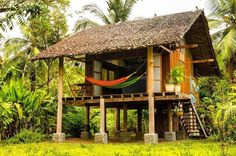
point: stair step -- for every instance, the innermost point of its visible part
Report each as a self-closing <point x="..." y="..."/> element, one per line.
<point x="193" y="131"/>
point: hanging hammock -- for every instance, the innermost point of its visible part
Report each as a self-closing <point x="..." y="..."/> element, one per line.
<point x="127" y="83"/>
<point x="110" y="83"/>
<point x="103" y="83"/>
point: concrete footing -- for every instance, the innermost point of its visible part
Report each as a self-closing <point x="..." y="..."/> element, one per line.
<point x="151" y="138"/>
<point x="86" y="135"/>
<point x="170" y="136"/>
<point x="101" y="138"/>
<point x="58" y="137"/>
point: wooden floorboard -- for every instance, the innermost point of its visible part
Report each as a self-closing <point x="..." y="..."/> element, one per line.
<point x="124" y="98"/>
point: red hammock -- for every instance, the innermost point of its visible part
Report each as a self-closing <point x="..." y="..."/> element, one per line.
<point x="107" y="83"/>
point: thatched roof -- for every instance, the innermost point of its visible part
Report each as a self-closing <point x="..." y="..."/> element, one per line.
<point x="160" y="30"/>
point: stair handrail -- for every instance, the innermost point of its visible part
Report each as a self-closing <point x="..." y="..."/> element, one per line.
<point x="198" y="119"/>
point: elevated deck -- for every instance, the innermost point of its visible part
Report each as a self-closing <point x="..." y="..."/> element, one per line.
<point x="116" y="100"/>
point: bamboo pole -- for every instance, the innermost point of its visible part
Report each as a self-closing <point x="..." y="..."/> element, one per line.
<point x="60" y="95"/>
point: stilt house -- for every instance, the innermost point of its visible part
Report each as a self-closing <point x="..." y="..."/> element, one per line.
<point x="126" y="65"/>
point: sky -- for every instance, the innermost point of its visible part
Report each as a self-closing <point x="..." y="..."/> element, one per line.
<point x="144" y="8"/>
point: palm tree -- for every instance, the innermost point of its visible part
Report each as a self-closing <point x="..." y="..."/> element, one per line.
<point x="38" y="33"/>
<point x="222" y="20"/>
<point x="117" y="11"/>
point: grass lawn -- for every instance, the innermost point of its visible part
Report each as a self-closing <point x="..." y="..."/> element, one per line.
<point x="181" y="148"/>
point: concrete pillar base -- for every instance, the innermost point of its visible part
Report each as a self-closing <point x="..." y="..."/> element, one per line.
<point x="151" y="138"/>
<point x="101" y="138"/>
<point x="170" y="136"/>
<point x="139" y="135"/>
<point x="58" y="137"/>
<point x="126" y="136"/>
<point x="86" y="135"/>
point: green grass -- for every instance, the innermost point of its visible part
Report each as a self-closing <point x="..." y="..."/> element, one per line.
<point x="181" y="148"/>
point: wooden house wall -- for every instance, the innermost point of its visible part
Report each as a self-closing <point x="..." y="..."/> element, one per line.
<point x="89" y="72"/>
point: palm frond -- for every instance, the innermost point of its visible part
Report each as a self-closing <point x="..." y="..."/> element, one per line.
<point x="231" y="111"/>
<point x="94" y="9"/>
<point x="84" y="23"/>
<point x="216" y="23"/>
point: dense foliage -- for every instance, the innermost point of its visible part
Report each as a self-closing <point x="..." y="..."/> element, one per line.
<point x="26" y="136"/>
<point x="28" y="90"/>
<point x="222" y="21"/>
<point x="22" y="109"/>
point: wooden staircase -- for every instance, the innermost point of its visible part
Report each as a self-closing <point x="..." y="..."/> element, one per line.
<point x="191" y="122"/>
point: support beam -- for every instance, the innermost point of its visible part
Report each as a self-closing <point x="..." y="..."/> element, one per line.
<point x="139" y="120"/>
<point x="170" y="121"/>
<point x="125" y="118"/>
<point x="87" y="134"/>
<point x="188" y="46"/>
<point x="59" y="136"/>
<point x="170" y="135"/>
<point x="105" y="119"/>
<point x="87" y="114"/>
<point x="150" y="89"/>
<point x="151" y="111"/>
<point x="117" y="119"/>
<point x="71" y="58"/>
<point x="203" y="61"/>
<point x="166" y="49"/>
<point x="139" y="133"/>
<point x="102" y="116"/>
<point x="102" y="137"/>
<point x="151" y="137"/>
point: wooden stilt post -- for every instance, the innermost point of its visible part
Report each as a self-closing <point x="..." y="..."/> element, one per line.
<point x="102" y="116"/>
<point x="151" y="137"/>
<point x="105" y="119"/>
<point x="170" y="121"/>
<point x="170" y="135"/>
<point x="139" y="120"/>
<point x="102" y="136"/>
<point x="150" y="89"/>
<point x="87" y="114"/>
<point x="59" y="136"/>
<point x="151" y="115"/>
<point x="87" y="134"/>
<point x="117" y="119"/>
<point x="125" y="118"/>
<point x="60" y="95"/>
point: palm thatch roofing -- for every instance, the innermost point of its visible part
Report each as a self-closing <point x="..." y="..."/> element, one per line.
<point x="160" y="30"/>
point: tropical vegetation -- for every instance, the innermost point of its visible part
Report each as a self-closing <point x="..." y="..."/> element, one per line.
<point x="117" y="11"/>
<point x="28" y="90"/>
<point x="222" y="21"/>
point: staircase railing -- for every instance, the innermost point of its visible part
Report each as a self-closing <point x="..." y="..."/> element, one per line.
<point x="198" y="119"/>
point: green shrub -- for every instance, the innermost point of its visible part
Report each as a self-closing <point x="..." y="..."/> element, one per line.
<point x="26" y="136"/>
